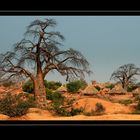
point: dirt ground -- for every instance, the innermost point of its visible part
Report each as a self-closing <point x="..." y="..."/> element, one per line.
<point x="113" y="111"/>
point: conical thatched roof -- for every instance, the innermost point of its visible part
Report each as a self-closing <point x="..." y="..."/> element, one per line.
<point x="62" y="89"/>
<point x="90" y="89"/>
<point x="118" y="89"/>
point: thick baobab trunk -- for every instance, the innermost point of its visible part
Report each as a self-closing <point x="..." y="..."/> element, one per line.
<point x="40" y="91"/>
<point x="125" y="85"/>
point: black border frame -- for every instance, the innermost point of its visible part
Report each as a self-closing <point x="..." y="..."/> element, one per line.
<point x="70" y="13"/>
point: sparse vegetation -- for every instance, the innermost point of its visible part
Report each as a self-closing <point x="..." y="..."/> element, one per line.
<point x="125" y="102"/>
<point x="52" y="85"/>
<point x="138" y="106"/>
<point x="98" y="88"/>
<point x="28" y="87"/>
<point x="131" y="88"/>
<point x="76" y="85"/>
<point x="8" y="83"/>
<point x="99" y="110"/>
<point x="16" y="105"/>
<point x="55" y="96"/>
<point x="111" y="86"/>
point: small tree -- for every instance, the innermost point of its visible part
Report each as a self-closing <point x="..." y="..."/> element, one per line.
<point x="36" y="57"/>
<point x="125" y="74"/>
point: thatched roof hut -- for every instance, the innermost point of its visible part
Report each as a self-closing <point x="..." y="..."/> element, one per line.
<point x="117" y="90"/>
<point x="90" y="90"/>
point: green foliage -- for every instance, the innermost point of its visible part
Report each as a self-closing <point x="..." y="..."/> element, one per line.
<point x="49" y="94"/>
<point x="52" y="84"/>
<point x="70" y="101"/>
<point x="28" y="87"/>
<point x="55" y="96"/>
<point x="99" y="110"/>
<point x="91" y="113"/>
<point x="15" y="105"/>
<point x="126" y="102"/>
<point x="131" y="88"/>
<point x="58" y="104"/>
<point x="76" y="111"/>
<point x="76" y="85"/>
<point x="111" y="86"/>
<point x="64" y="112"/>
<point x="98" y="88"/>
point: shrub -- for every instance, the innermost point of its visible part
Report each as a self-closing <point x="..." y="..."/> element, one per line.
<point x="98" y="88"/>
<point x="15" y="105"/>
<point x="70" y="101"/>
<point x="125" y="102"/>
<point x="75" y="85"/>
<point x="138" y="106"/>
<point x="99" y="108"/>
<point x="28" y="87"/>
<point x="91" y="113"/>
<point x="136" y="97"/>
<point x="131" y="88"/>
<point x="111" y="86"/>
<point x="52" y="84"/>
<point x="55" y="96"/>
<point x="49" y="94"/>
<point x="8" y="83"/>
<point x="56" y="107"/>
<point x="76" y="111"/>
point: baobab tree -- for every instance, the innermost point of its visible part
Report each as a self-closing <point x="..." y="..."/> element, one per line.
<point x="125" y="74"/>
<point x="38" y="54"/>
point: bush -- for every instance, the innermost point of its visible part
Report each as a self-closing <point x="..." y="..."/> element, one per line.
<point x="8" y="83"/>
<point x="52" y="84"/>
<point x="138" y="106"/>
<point x="64" y="112"/>
<point x="15" y="105"/>
<point x="99" y="108"/>
<point x="125" y="102"/>
<point x="131" y="88"/>
<point x="98" y="88"/>
<point x="76" y="85"/>
<point x="55" y="96"/>
<point x="49" y="94"/>
<point x="111" y="86"/>
<point x="92" y="113"/>
<point x="76" y="111"/>
<point x="28" y="87"/>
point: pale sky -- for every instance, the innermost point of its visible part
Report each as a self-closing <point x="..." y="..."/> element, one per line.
<point x="106" y="41"/>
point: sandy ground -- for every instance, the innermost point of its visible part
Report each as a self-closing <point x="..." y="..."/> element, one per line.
<point x="33" y="116"/>
<point x="113" y="111"/>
